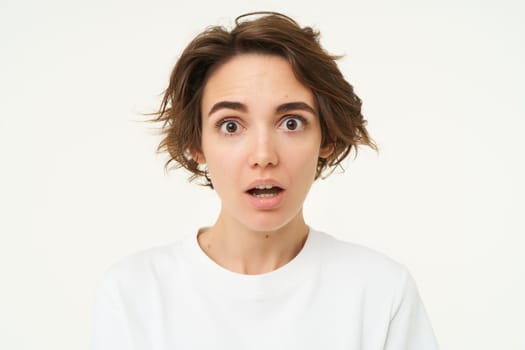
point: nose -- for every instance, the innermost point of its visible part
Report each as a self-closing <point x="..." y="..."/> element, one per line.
<point x="263" y="151"/>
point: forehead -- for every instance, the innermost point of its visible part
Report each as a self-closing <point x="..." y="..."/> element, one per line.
<point x="255" y="78"/>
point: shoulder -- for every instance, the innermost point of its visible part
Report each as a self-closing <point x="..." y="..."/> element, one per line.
<point x="141" y="268"/>
<point x="361" y="266"/>
<point x="340" y="252"/>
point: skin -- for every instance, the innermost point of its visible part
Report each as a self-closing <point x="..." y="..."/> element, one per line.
<point x="258" y="123"/>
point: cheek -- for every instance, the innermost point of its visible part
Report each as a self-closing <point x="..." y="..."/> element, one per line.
<point x="302" y="159"/>
<point x="224" y="163"/>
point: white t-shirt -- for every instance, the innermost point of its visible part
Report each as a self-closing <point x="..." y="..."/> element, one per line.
<point x="332" y="295"/>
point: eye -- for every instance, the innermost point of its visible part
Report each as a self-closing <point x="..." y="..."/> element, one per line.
<point x="229" y="127"/>
<point x="293" y="123"/>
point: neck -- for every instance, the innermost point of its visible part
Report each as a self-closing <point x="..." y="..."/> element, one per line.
<point x="240" y="249"/>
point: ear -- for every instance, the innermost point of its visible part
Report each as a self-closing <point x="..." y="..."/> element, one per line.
<point x="198" y="156"/>
<point x="326" y="151"/>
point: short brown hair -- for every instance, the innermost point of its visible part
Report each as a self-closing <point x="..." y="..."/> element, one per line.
<point x="342" y="123"/>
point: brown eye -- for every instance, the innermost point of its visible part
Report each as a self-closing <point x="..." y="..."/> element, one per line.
<point x="293" y="123"/>
<point x="230" y="127"/>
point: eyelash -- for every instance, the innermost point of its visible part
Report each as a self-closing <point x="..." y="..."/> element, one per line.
<point x="223" y="122"/>
<point x="302" y="121"/>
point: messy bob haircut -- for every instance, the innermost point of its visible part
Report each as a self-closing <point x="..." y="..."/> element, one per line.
<point x="270" y="33"/>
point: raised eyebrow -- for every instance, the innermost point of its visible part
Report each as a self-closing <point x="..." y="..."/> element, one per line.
<point x="227" y="105"/>
<point x="290" y="106"/>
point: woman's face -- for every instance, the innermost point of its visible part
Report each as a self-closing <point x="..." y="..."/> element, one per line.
<point x="261" y="140"/>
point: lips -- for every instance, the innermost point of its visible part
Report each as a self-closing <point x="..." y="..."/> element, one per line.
<point x="265" y="191"/>
<point x="265" y="194"/>
<point x="264" y="188"/>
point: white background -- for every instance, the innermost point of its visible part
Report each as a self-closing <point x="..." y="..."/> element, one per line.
<point x="81" y="185"/>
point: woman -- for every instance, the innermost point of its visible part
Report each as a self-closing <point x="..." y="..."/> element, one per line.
<point x="260" y="112"/>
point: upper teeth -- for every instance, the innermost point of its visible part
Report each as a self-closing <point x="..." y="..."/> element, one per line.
<point x="264" y="187"/>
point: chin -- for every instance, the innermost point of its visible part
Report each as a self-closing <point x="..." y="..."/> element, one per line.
<point x="268" y="222"/>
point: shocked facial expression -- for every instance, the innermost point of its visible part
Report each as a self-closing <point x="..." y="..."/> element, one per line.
<point x="261" y="140"/>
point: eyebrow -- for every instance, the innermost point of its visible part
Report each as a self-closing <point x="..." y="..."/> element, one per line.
<point x="285" y="107"/>
<point x="291" y="106"/>
<point x="228" y="105"/>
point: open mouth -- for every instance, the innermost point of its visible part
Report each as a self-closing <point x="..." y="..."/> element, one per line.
<point x="265" y="191"/>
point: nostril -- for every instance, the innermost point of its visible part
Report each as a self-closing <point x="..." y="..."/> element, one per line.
<point x="264" y="158"/>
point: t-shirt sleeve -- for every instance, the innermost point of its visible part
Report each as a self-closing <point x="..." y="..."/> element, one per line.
<point x="409" y="328"/>
<point x="111" y="329"/>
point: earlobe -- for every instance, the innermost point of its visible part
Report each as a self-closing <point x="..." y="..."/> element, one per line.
<point x="198" y="156"/>
<point x="326" y="151"/>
